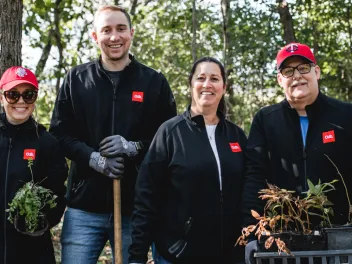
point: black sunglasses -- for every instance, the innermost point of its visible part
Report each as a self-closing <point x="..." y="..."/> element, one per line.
<point x="29" y="97"/>
<point x="302" y="69"/>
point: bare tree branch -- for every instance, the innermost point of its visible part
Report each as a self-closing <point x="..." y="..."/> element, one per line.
<point x="58" y="43"/>
<point x="133" y="7"/>
<point x="45" y="55"/>
<point x="194" y="31"/>
<point x="225" y="8"/>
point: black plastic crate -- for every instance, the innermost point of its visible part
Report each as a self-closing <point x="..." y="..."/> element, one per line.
<point x="305" y="257"/>
<point x="295" y="242"/>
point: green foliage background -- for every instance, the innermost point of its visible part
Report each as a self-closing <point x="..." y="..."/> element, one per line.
<point x="163" y="40"/>
<point x="56" y="36"/>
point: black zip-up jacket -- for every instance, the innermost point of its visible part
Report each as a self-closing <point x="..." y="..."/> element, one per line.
<point x="179" y="181"/>
<point x="276" y="152"/>
<point x="89" y="108"/>
<point x="49" y="167"/>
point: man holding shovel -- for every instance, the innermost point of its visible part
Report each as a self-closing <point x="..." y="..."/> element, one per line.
<point x="105" y="116"/>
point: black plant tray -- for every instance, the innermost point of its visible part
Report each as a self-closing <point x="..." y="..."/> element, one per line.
<point x="295" y="242"/>
<point x="20" y="226"/>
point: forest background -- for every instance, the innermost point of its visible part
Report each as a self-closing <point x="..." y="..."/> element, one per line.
<point x="171" y="34"/>
<point x="51" y="36"/>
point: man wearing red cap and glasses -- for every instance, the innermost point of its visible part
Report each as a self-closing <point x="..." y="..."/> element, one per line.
<point x="21" y="138"/>
<point x="289" y="141"/>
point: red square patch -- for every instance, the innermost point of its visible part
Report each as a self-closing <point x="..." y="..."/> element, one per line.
<point x="29" y="154"/>
<point x="137" y="96"/>
<point x="235" y="147"/>
<point x="329" y="136"/>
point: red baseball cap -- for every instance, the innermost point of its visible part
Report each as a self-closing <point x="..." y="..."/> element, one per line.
<point x="17" y="75"/>
<point x="294" y="49"/>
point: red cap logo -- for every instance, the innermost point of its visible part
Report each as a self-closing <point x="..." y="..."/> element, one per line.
<point x="235" y="147"/>
<point x="15" y="76"/>
<point x="29" y="154"/>
<point x="329" y="136"/>
<point x="137" y="96"/>
<point x="294" y="49"/>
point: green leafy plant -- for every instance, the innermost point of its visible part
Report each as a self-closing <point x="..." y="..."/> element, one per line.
<point x="29" y="202"/>
<point x="287" y="211"/>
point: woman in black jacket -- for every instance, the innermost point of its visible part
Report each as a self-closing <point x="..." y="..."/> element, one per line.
<point x="189" y="186"/>
<point x="23" y="139"/>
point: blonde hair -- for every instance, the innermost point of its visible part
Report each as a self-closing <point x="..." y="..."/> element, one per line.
<point x="111" y="8"/>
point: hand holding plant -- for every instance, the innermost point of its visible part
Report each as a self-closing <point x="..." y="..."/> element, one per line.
<point x="30" y="202"/>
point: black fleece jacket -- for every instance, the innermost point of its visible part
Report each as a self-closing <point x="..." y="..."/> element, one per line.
<point x="179" y="180"/>
<point x="276" y="152"/>
<point x="49" y="168"/>
<point x="89" y="107"/>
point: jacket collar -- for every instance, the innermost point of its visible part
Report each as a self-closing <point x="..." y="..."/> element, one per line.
<point x="312" y="109"/>
<point x="198" y="120"/>
<point x="2" y="123"/>
<point x="101" y="69"/>
<point x="30" y="124"/>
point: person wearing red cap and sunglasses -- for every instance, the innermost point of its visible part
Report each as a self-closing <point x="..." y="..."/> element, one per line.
<point x="22" y="137"/>
<point x="289" y="142"/>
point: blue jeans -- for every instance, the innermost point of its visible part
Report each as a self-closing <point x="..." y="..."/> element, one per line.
<point x="85" y="234"/>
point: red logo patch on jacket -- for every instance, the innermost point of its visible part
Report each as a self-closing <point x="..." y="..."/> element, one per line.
<point x="29" y="154"/>
<point x="329" y="136"/>
<point x="235" y="147"/>
<point x="137" y="96"/>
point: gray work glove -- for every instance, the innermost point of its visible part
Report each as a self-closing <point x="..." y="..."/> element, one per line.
<point x="117" y="145"/>
<point x="111" y="167"/>
<point x="250" y="249"/>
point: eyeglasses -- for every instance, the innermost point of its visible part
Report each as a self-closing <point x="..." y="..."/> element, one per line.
<point x="29" y="97"/>
<point x="302" y="69"/>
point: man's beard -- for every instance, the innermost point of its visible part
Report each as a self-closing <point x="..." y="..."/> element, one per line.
<point x="119" y="58"/>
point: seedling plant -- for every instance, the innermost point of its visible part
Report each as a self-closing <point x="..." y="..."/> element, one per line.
<point x="286" y="211"/>
<point x="30" y="201"/>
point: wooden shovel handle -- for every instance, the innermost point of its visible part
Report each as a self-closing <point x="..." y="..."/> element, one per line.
<point x="117" y="222"/>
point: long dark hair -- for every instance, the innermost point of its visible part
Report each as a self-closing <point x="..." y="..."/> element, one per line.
<point x="222" y="104"/>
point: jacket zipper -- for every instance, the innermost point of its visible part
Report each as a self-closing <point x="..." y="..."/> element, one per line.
<point x="113" y="117"/>
<point x="221" y="198"/>
<point x="221" y="222"/>
<point x="304" y="154"/>
<point x="305" y="168"/>
<point x="113" y="110"/>
<point x="114" y="87"/>
<point x="305" y="157"/>
<point x="6" y="175"/>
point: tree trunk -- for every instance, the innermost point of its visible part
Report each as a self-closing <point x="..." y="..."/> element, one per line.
<point x="54" y="36"/>
<point x="349" y="70"/>
<point x="226" y="11"/>
<point x="10" y="33"/>
<point x="287" y="22"/>
<point x="58" y="43"/>
<point x="194" y="31"/>
<point x="45" y="55"/>
<point x="348" y="19"/>
<point x="133" y="7"/>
